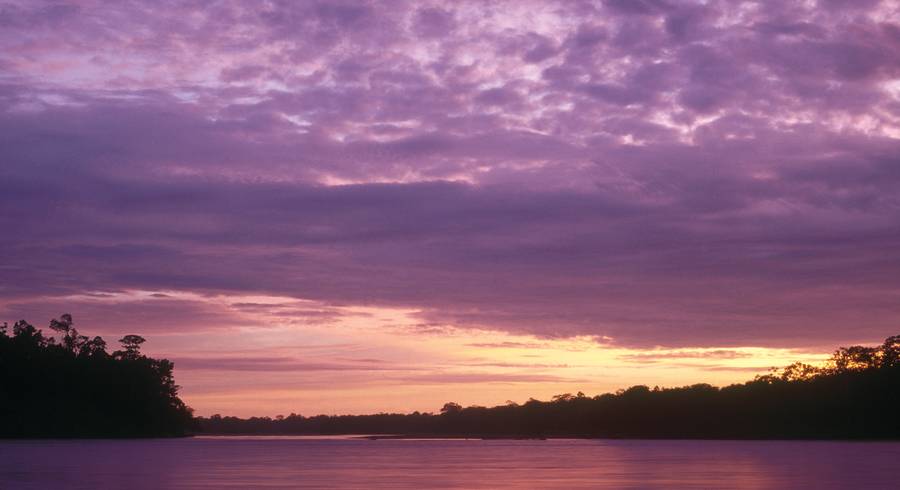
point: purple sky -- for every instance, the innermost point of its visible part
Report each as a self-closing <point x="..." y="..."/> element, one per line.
<point x="647" y="174"/>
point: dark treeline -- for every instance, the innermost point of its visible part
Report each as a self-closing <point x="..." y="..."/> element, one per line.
<point x="71" y="386"/>
<point x="856" y="395"/>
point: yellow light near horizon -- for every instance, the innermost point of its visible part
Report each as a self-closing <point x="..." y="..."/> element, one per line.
<point x="271" y="359"/>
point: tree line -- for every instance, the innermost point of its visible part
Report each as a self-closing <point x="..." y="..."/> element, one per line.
<point x="70" y="386"/>
<point x="855" y="395"/>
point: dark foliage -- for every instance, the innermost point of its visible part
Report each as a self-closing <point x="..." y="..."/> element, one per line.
<point x="71" y="387"/>
<point x="855" y="396"/>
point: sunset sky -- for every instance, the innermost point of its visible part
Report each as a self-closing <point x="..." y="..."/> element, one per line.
<point x="353" y="207"/>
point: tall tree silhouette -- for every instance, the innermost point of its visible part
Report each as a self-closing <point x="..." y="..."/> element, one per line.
<point x="132" y="345"/>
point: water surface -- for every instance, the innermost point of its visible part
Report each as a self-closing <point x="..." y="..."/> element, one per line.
<point x="300" y="462"/>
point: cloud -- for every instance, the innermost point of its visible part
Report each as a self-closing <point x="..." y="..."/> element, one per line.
<point x="508" y="345"/>
<point x="116" y="316"/>
<point x="652" y="356"/>
<point x="663" y="174"/>
<point x="470" y="378"/>
<point x="275" y="364"/>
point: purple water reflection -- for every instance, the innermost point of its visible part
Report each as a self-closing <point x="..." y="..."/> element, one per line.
<point x="351" y="463"/>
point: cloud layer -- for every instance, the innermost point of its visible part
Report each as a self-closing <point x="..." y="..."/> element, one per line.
<point x="654" y="173"/>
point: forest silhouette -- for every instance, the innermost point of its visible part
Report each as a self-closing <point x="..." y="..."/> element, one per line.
<point x="71" y="386"/>
<point x="855" y="395"/>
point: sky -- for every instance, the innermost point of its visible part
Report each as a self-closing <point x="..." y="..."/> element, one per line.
<point x="353" y="207"/>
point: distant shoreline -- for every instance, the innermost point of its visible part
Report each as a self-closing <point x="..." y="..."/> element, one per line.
<point x="489" y="437"/>
<point x="414" y="437"/>
<point x="852" y="397"/>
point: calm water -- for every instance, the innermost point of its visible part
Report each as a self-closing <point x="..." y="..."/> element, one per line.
<point x="238" y="462"/>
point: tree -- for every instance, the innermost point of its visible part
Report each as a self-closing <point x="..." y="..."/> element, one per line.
<point x="799" y="371"/>
<point x="855" y="358"/>
<point x="25" y="333"/>
<point x="63" y="326"/>
<point x="451" y="408"/>
<point x="890" y="352"/>
<point x="93" y="347"/>
<point x="565" y="397"/>
<point x="132" y="345"/>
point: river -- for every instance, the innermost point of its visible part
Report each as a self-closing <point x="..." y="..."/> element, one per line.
<point x="350" y="463"/>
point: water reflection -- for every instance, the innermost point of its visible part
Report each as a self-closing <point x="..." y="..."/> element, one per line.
<point x="301" y="462"/>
